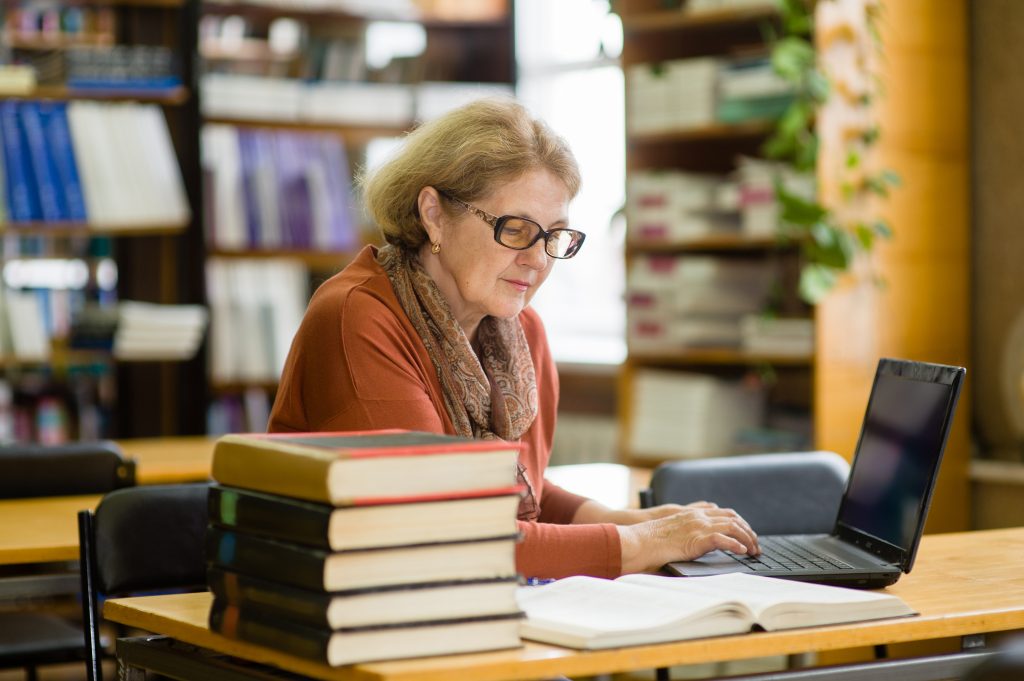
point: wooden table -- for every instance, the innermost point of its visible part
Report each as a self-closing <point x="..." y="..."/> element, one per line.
<point x="963" y="584"/>
<point x="165" y="460"/>
<point x="41" y="530"/>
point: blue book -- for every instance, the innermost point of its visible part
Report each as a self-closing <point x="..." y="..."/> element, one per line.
<point x="23" y="205"/>
<point x="51" y="198"/>
<point x="58" y="134"/>
<point x="248" y="155"/>
<point x="344" y="231"/>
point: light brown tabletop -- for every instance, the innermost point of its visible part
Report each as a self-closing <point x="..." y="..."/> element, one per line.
<point x="165" y="460"/>
<point x="963" y="583"/>
<point x="41" y="530"/>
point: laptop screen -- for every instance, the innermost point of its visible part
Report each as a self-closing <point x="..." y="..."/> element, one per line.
<point x="901" y="445"/>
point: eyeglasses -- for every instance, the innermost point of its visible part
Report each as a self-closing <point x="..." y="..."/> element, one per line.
<point x="521" y="233"/>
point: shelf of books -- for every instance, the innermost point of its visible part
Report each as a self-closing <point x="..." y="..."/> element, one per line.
<point x="720" y="348"/>
<point x="96" y="129"/>
<point x="293" y="96"/>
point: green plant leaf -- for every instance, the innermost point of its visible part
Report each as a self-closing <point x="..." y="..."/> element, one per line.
<point x="871" y="135"/>
<point x="796" y="19"/>
<point x="815" y="282"/>
<point x="798" y="210"/>
<point x="778" y="146"/>
<point x="882" y="229"/>
<point x="891" y="178"/>
<point x="818" y="86"/>
<point x="805" y="156"/>
<point x="792" y="57"/>
<point x="865" y="235"/>
<point x="830" y="246"/>
<point x="876" y="185"/>
<point x="852" y="158"/>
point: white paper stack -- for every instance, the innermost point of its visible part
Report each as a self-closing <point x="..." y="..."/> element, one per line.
<point x="672" y="95"/>
<point x="694" y="301"/>
<point x="685" y="415"/>
<point x="128" y="167"/>
<point x="251" y="97"/>
<point x="256" y="306"/>
<point x="152" y="332"/>
<point x="778" y="336"/>
<point x="673" y="206"/>
<point x="759" y="209"/>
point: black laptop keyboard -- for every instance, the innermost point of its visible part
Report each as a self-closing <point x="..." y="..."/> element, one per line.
<point x="783" y="553"/>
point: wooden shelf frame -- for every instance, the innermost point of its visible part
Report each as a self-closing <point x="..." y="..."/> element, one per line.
<point x="711" y="132"/>
<point x="679" y="20"/>
<point x="711" y="243"/>
<point x="717" y="357"/>
<point x="353" y="133"/>
<point x="80" y="229"/>
<point x="318" y="261"/>
<point x="170" y="97"/>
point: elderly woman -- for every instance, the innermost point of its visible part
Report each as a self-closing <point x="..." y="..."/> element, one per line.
<point x="433" y="332"/>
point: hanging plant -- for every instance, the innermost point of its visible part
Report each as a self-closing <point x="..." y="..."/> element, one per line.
<point x="829" y="242"/>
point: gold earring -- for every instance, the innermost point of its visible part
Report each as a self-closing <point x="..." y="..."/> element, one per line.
<point x="435" y="247"/>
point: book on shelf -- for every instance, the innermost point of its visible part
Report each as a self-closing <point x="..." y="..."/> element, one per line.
<point x="591" y="613"/>
<point x="150" y="331"/>
<point x="130" y="176"/>
<point x="311" y="568"/>
<point x="690" y="415"/>
<point x="256" y="306"/>
<point x="354" y="467"/>
<point x="479" y="514"/>
<point x="366" y="644"/>
<point x="22" y="199"/>
<point x="371" y="606"/>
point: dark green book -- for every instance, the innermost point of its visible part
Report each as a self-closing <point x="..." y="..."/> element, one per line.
<point x="312" y="568"/>
<point x="366" y="607"/>
<point x="468" y="516"/>
<point x="365" y="644"/>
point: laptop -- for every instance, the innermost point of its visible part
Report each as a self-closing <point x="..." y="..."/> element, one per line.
<point x="883" y="509"/>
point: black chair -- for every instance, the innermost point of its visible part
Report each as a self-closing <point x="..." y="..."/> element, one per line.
<point x="789" y="493"/>
<point x="142" y="539"/>
<point x="32" y="470"/>
<point x="29" y="638"/>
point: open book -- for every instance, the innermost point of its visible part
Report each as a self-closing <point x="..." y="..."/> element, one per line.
<point x="587" y="612"/>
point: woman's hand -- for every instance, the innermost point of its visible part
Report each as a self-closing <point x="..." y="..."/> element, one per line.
<point x="683" y="533"/>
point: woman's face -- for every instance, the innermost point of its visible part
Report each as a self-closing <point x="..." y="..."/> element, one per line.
<point x="477" y="275"/>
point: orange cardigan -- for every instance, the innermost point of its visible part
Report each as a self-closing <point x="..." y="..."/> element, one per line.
<point x="357" y="363"/>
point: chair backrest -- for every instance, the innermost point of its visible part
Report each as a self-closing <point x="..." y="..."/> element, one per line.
<point x="789" y="493"/>
<point x="32" y="470"/>
<point x="146" y="538"/>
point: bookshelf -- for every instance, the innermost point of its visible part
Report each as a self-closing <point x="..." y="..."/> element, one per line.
<point x="122" y="248"/>
<point x="700" y="270"/>
<point x="325" y="88"/>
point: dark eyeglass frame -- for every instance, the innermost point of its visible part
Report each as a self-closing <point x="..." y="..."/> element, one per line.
<point x="498" y="222"/>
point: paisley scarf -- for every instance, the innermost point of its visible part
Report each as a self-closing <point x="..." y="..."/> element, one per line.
<point x="487" y="397"/>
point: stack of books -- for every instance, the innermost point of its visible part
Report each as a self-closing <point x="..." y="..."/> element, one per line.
<point x="354" y="547"/>
<point x="686" y="302"/>
<point x="681" y="415"/>
<point x="154" y="332"/>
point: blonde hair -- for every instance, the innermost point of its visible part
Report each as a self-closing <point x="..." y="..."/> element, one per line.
<point x="466" y="153"/>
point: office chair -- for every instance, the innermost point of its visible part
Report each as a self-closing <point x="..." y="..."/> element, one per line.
<point x="140" y="539"/>
<point x="32" y="470"/>
<point x="787" y="493"/>
<point x="27" y="638"/>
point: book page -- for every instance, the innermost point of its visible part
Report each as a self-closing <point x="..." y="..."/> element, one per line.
<point x="589" y="612"/>
<point x="782" y="603"/>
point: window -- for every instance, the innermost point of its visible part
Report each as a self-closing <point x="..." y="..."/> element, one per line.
<point x="569" y="75"/>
